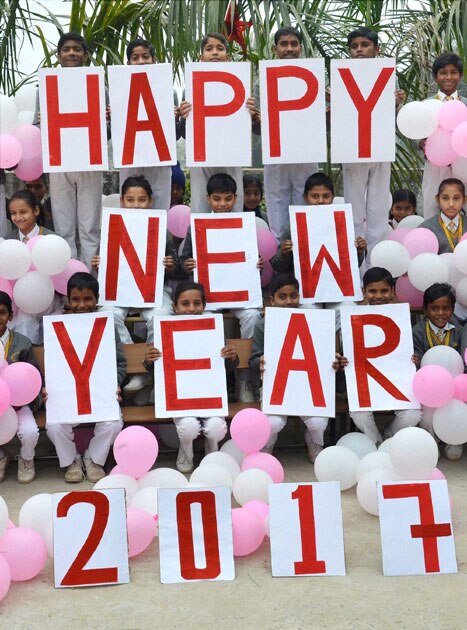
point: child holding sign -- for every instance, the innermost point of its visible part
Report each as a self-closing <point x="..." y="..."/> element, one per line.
<point x="190" y="299"/>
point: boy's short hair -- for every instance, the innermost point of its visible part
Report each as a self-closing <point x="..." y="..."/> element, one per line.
<point x="280" y="280"/>
<point x="287" y="30"/>
<point x="82" y="280"/>
<point x="140" y="42"/>
<point x="377" y="274"/>
<point x="363" y="31"/>
<point x="318" y="179"/>
<point x="221" y="183"/>
<point x="253" y="180"/>
<point x="189" y="285"/>
<point x="5" y="300"/>
<point x="75" y="37"/>
<point x="439" y="290"/>
<point x="452" y="181"/>
<point x="30" y="198"/>
<point x="136" y="181"/>
<point x="403" y="194"/>
<point x="446" y="59"/>
<point x="217" y="36"/>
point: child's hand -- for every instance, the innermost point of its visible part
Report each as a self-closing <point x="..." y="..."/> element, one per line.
<point x="119" y="395"/>
<point x="421" y="144"/>
<point x="260" y="264"/>
<point x="415" y="360"/>
<point x="262" y="366"/>
<point x="340" y="362"/>
<point x="254" y="113"/>
<point x="152" y="354"/>
<point x="95" y="262"/>
<point x="286" y="248"/>
<point x="400" y="97"/>
<point x="169" y="263"/>
<point x="108" y="113"/>
<point x="44" y="396"/>
<point x="185" y="109"/>
<point x="177" y="111"/>
<point x="229" y="353"/>
<point x="360" y="244"/>
<point x="189" y="264"/>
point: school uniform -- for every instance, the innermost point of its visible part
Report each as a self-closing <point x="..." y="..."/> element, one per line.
<point x="447" y="231"/>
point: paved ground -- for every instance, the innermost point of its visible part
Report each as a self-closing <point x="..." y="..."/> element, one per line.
<point x="363" y="599"/>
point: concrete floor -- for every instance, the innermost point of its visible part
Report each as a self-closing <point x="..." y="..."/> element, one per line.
<point x="363" y="599"/>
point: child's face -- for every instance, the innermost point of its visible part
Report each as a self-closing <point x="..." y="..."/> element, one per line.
<point x="37" y="187"/>
<point x="82" y="301"/>
<point x="176" y="194"/>
<point x="286" y="297"/>
<point x="135" y="197"/>
<point x="251" y="196"/>
<point x="448" y="79"/>
<point x="140" y="56"/>
<point x="72" y="54"/>
<point x="363" y="48"/>
<point x="451" y="201"/>
<point x="378" y="293"/>
<point x="222" y="202"/>
<point x="440" y="311"/>
<point x="318" y="196"/>
<point x="189" y="303"/>
<point x="288" y="47"/>
<point x="214" y="51"/>
<point x="23" y="215"/>
<point x="402" y="209"/>
<point x="5" y="317"/>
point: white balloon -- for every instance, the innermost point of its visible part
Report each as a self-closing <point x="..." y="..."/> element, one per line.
<point x="460" y="256"/>
<point x="25" y="97"/>
<point x="461" y="291"/>
<point x="252" y="484"/>
<point x="459" y="169"/>
<point x="337" y="463"/>
<point x="126" y="482"/>
<point x="450" y="422"/>
<point x="15" y="259"/>
<point x="391" y="256"/>
<point x="261" y="224"/>
<point x="414" y="453"/>
<point x="367" y="489"/>
<point x="378" y="459"/>
<point x="225" y="460"/>
<point x="146" y="499"/>
<point x="446" y="357"/>
<point x="37" y="513"/>
<point x="34" y="292"/>
<point x="8" y="425"/>
<point x="25" y="118"/>
<point x="193" y="485"/>
<point x="49" y="539"/>
<point x="426" y="269"/>
<point x="417" y="120"/>
<point x="412" y="221"/>
<point x="162" y="478"/>
<point x="359" y="443"/>
<point x="3" y="516"/>
<point x="384" y="446"/>
<point x="455" y="276"/>
<point x="111" y="201"/>
<point x="8" y="114"/>
<point x="232" y="449"/>
<point x="51" y="254"/>
<point x="212" y="475"/>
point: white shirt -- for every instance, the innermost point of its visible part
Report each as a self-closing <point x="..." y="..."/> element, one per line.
<point x="3" y="342"/>
<point x="447" y="221"/>
<point x="34" y="232"/>
<point x="441" y="96"/>
<point x="444" y="330"/>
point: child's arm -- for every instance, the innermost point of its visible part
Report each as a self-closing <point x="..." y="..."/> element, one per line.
<point x="152" y="354"/>
<point x="361" y="245"/>
<point x="260" y="264"/>
<point x="170" y="261"/>
<point x="229" y="354"/>
<point x="95" y="262"/>
<point x="340" y="362"/>
<point x="255" y="115"/>
<point x="257" y="350"/>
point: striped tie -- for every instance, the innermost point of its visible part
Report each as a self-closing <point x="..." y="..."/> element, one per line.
<point x="440" y="334"/>
<point x="452" y="227"/>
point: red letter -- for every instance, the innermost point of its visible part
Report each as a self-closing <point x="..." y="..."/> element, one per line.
<point x="58" y="121"/>
<point x="276" y="106"/>
<point x="188" y="569"/>
<point x="306" y="514"/>
<point x="81" y="371"/>
<point x="172" y="365"/>
<point x="298" y="329"/>
<point x="201" y="111"/>
<point x="311" y="272"/>
<point x="363" y="367"/>
<point x="428" y="530"/>
<point x="140" y="89"/>
<point x="365" y="107"/>
<point x="120" y="239"/>
<point x="204" y="258"/>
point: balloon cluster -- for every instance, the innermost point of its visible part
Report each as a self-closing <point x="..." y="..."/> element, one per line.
<point x="20" y="140"/>
<point x="444" y="125"/>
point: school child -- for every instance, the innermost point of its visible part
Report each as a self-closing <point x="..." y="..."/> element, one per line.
<point x="178" y="183"/>
<point x="438" y="328"/>
<point x="190" y="299"/>
<point x="404" y="204"/>
<point x="448" y="71"/>
<point x="367" y="185"/>
<point x="450" y="224"/>
<point x="16" y="347"/>
<point x="83" y="296"/>
<point x="221" y="197"/>
<point x="252" y="196"/>
<point x="40" y="189"/>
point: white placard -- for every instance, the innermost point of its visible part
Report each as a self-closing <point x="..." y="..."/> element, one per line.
<point x="325" y="256"/>
<point x="377" y="340"/>
<point x="293" y="111"/>
<point x="195" y="535"/>
<point x="73" y="125"/>
<point x="131" y="269"/>
<point x="90" y="538"/>
<point x="226" y="252"/>
<point x="80" y="368"/>
<point x="218" y="128"/>
<point x="190" y="376"/>
<point x="299" y="378"/>
<point x="363" y="110"/>
<point x="306" y="532"/>
<point x="416" y="528"/>
<point x="142" y="106"/>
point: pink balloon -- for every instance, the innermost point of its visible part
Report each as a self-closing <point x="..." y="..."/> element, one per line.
<point x="433" y="386"/>
<point x="24" y="381"/>
<point x="406" y="292"/>
<point x="250" y="430"/>
<point x="142" y="528"/>
<point x="399" y="234"/>
<point x="5" y="397"/>
<point x="260" y="508"/>
<point x="116" y="470"/>
<point x="459" y="140"/>
<point x="178" y="220"/>
<point x="463" y="237"/>
<point x="6" y="287"/>
<point x="135" y="451"/>
<point x="266" y="274"/>
<point x="436" y="474"/>
<point x="60" y="281"/>
<point x="5" y="577"/>
<point x="248" y="531"/>
<point x="25" y="551"/>
<point x="267" y="244"/>
<point x="266" y="462"/>
<point x="451" y="114"/>
<point x="32" y="241"/>
<point x="8" y="425"/>
<point x="438" y="148"/>
<point x="30" y="169"/>
<point x="29" y="137"/>
<point x="421" y="241"/>
<point x="10" y="150"/>
<point x="460" y="387"/>
<point x="10" y="524"/>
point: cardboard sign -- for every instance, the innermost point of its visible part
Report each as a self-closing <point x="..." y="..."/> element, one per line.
<point x="190" y="376"/>
<point x="298" y="352"/>
<point x="218" y="128"/>
<point x="363" y="112"/>
<point x="293" y="111"/>
<point x="377" y="341"/>
<point x="131" y="270"/>
<point x="416" y="528"/>
<point x="80" y="368"/>
<point x="226" y="252"/>
<point x="73" y="126"/>
<point x="325" y="256"/>
<point x="143" y="126"/>
<point x="195" y="535"/>
<point x="90" y="538"/>
<point x="306" y="531"/>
